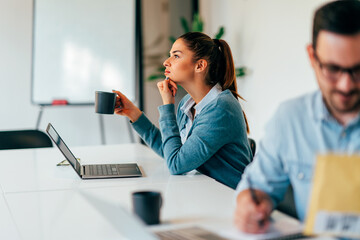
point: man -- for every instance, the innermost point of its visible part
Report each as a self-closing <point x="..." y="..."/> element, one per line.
<point x="324" y="121"/>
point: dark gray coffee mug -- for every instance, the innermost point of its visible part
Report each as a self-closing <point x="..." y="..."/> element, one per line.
<point x="147" y="205"/>
<point x="105" y="102"/>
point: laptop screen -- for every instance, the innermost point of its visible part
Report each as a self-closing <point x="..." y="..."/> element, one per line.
<point x="63" y="148"/>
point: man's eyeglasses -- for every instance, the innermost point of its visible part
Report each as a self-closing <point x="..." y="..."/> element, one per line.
<point x="334" y="72"/>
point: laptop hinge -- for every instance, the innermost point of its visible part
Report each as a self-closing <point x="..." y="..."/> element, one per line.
<point x="82" y="170"/>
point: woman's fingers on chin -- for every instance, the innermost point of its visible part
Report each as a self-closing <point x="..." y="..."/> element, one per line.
<point x="173" y="84"/>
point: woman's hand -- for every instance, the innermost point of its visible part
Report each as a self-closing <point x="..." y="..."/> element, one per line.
<point x="167" y="89"/>
<point x="124" y="107"/>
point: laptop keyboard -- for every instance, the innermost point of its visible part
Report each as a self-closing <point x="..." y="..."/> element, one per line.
<point x="191" y="233"/>
<point x="103" y="170"/>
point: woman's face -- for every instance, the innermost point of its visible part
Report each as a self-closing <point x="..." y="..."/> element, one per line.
<point x="180" y="66"/>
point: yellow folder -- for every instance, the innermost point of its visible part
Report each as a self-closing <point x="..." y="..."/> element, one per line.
<point x="334" y="207"/>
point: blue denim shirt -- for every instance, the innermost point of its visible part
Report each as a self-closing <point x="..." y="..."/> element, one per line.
<point x="216" y="144"/>
<point x="300" y="129"/>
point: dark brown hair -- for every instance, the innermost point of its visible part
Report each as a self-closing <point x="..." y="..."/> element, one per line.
<point x="342" y="17"/>
<point x="218" y="55"/>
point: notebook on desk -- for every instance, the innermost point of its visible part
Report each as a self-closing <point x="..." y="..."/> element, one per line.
<point x="282" y="227"/>
<point x="199" y="233"/>
<point x="94" y="171"/>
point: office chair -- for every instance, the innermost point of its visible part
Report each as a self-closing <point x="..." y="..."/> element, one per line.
<point x="20" y="139"/>
<point x="287" y="205"/>
<point x="252" y="144"/>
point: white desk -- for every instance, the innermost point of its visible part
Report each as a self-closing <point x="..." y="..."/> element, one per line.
<point x="36" y="170"/>
<point x="7" y="226"/>
<point x="93" y="213"/>
<point x="43" y="201"/>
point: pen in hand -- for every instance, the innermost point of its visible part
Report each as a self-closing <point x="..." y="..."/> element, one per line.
<point x="255" y="200"/>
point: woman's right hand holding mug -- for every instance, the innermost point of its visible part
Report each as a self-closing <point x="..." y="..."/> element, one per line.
<point x="124" y="107"/>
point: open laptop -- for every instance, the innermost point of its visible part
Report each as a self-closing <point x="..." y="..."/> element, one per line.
<point x="93" y="171"/>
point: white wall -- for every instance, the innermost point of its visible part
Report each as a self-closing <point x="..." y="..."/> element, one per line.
<point x="269" y="37"/>
<point x="77" y="125"/>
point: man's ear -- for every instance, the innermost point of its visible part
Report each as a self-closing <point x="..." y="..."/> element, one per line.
<point x="201" y="65"/>
<point x="311" y="54"/>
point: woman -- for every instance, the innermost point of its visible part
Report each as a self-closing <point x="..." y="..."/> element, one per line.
<point x="209" y="131"/>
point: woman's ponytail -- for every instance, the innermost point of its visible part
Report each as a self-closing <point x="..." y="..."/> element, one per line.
<point x="221" y="67"/>
<point x="229" y="76"/>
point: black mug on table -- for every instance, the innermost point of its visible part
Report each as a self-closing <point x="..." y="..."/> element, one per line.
<point x="147" y="205"/>
<point x="105" y="102"/>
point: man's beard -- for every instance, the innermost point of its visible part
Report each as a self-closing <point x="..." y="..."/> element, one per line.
<point x="348" y="108"/>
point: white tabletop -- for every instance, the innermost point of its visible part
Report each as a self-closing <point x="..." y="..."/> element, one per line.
<point x="7" y="226"/>
<point x="93" y="213"/>
<point x="40" y="200"/>
<point x="36" y="170"/>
